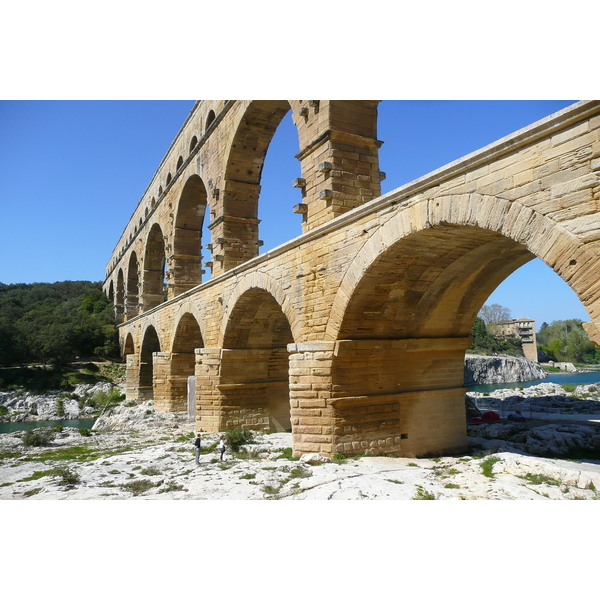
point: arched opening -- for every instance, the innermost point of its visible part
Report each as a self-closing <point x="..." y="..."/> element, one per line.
<point x="150" y="345"/>
<point x="169" y="177"/>
<point x="193" y="143"/>
<point x="132" y="303"/>
<point x="183" y="360"/>
<point x="254" y="368"/>
<point x="128" y="346"/>
<point x="111" y="291"/>
<point x="242" y="181"/>
<point x="536" y="292"/>
<point x="398" y="375"/>
<point x="154" y="288"/>
<point x="120" y="299"/>
<point x="179" y="162"/>
<point x="187" y="265"/>
<point x="209" y="119"/>
<point x="277" y="194"/>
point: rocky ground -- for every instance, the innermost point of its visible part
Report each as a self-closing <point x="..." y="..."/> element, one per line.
<point x="546" y="398"/>
<point x="81" y="403"/>
<point x="137" y="453"/>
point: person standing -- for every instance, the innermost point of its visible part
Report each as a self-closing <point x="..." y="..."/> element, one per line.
<point x="222" y="446"/>
<point x="197" y="444"/>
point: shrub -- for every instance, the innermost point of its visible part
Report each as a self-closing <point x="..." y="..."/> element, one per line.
<point x="150" y="471"/>
<point x="137" y="487"/>
<point x="423" y="494"/>
<point x="42" y="436"/>
<point x="3" y="411"/>
<point x="171" y="487"/>
<point x="271" y="490"/>
<point x="104" y="399"/>
<point x="236" y="438"/>
<point x="300" y="471"/>
<point x="85" y="431"/>
<point x="67" y="477"/>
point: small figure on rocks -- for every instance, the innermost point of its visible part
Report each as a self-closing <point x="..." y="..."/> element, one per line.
<point x="197" y="444"/>
<point x="222" y="446"/>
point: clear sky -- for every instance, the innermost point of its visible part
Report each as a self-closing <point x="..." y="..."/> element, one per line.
<point x="73" y="171"/>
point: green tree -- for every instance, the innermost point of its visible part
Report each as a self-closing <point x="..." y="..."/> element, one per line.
<point x="493" y="314"/>
<point x="566" y="340"/>
<point x="55" y="322"/>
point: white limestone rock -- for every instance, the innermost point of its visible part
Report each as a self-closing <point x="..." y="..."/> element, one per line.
<point x="500" y="369"/>
<point x="314" y="458"/>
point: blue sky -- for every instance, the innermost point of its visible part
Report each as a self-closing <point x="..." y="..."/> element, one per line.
<point x="73" y="171"/>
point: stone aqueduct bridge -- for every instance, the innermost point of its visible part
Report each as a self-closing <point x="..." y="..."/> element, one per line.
<point x="352" y="334"/>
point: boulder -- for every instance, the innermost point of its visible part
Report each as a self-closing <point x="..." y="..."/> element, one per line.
<point x="314" y="458"/>
<point x="500" y="369"/>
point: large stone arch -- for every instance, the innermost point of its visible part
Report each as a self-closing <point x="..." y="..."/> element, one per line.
<point x="404" y="310"/>
<point x="258" y="282"/>
<point x="120" y="297"/>
<point x="111" y="292"/>
<point x="251" y="384"/>
<point x="153" y="284"/>
<point x="189" y="217"/>
<point x="133" y="283"/>
<point x="149" y="346"/>
<point x="235" y="233"/>
<point x="174" y="368"/>
<point x="509" y="227"/>
<point x="128" y="346"/>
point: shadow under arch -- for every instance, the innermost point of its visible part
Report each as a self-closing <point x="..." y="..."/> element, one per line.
<point x="190" y="211"/>
<point x="150" y="345"/>
<point x="153" y="285"/>
<point x="120" y="297"/>
<point x="133" y="282"/>
<point x="128" y="346"/>
<point x="186" y="340"/>
<point x="254" y="369"/>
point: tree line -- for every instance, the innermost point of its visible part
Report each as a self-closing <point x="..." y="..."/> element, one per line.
<point x="566" y="341"/>
<point x="54" y="323"/>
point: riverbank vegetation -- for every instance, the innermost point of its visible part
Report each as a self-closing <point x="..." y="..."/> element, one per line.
<point x="567" y="341"/>
<point x="42" y="378"/>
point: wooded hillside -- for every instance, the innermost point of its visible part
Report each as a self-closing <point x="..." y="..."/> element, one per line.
<point x="55" y="323"/>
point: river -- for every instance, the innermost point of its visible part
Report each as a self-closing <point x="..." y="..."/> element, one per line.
<point x="586" y="378"/>
<point x="78" y="423"/>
